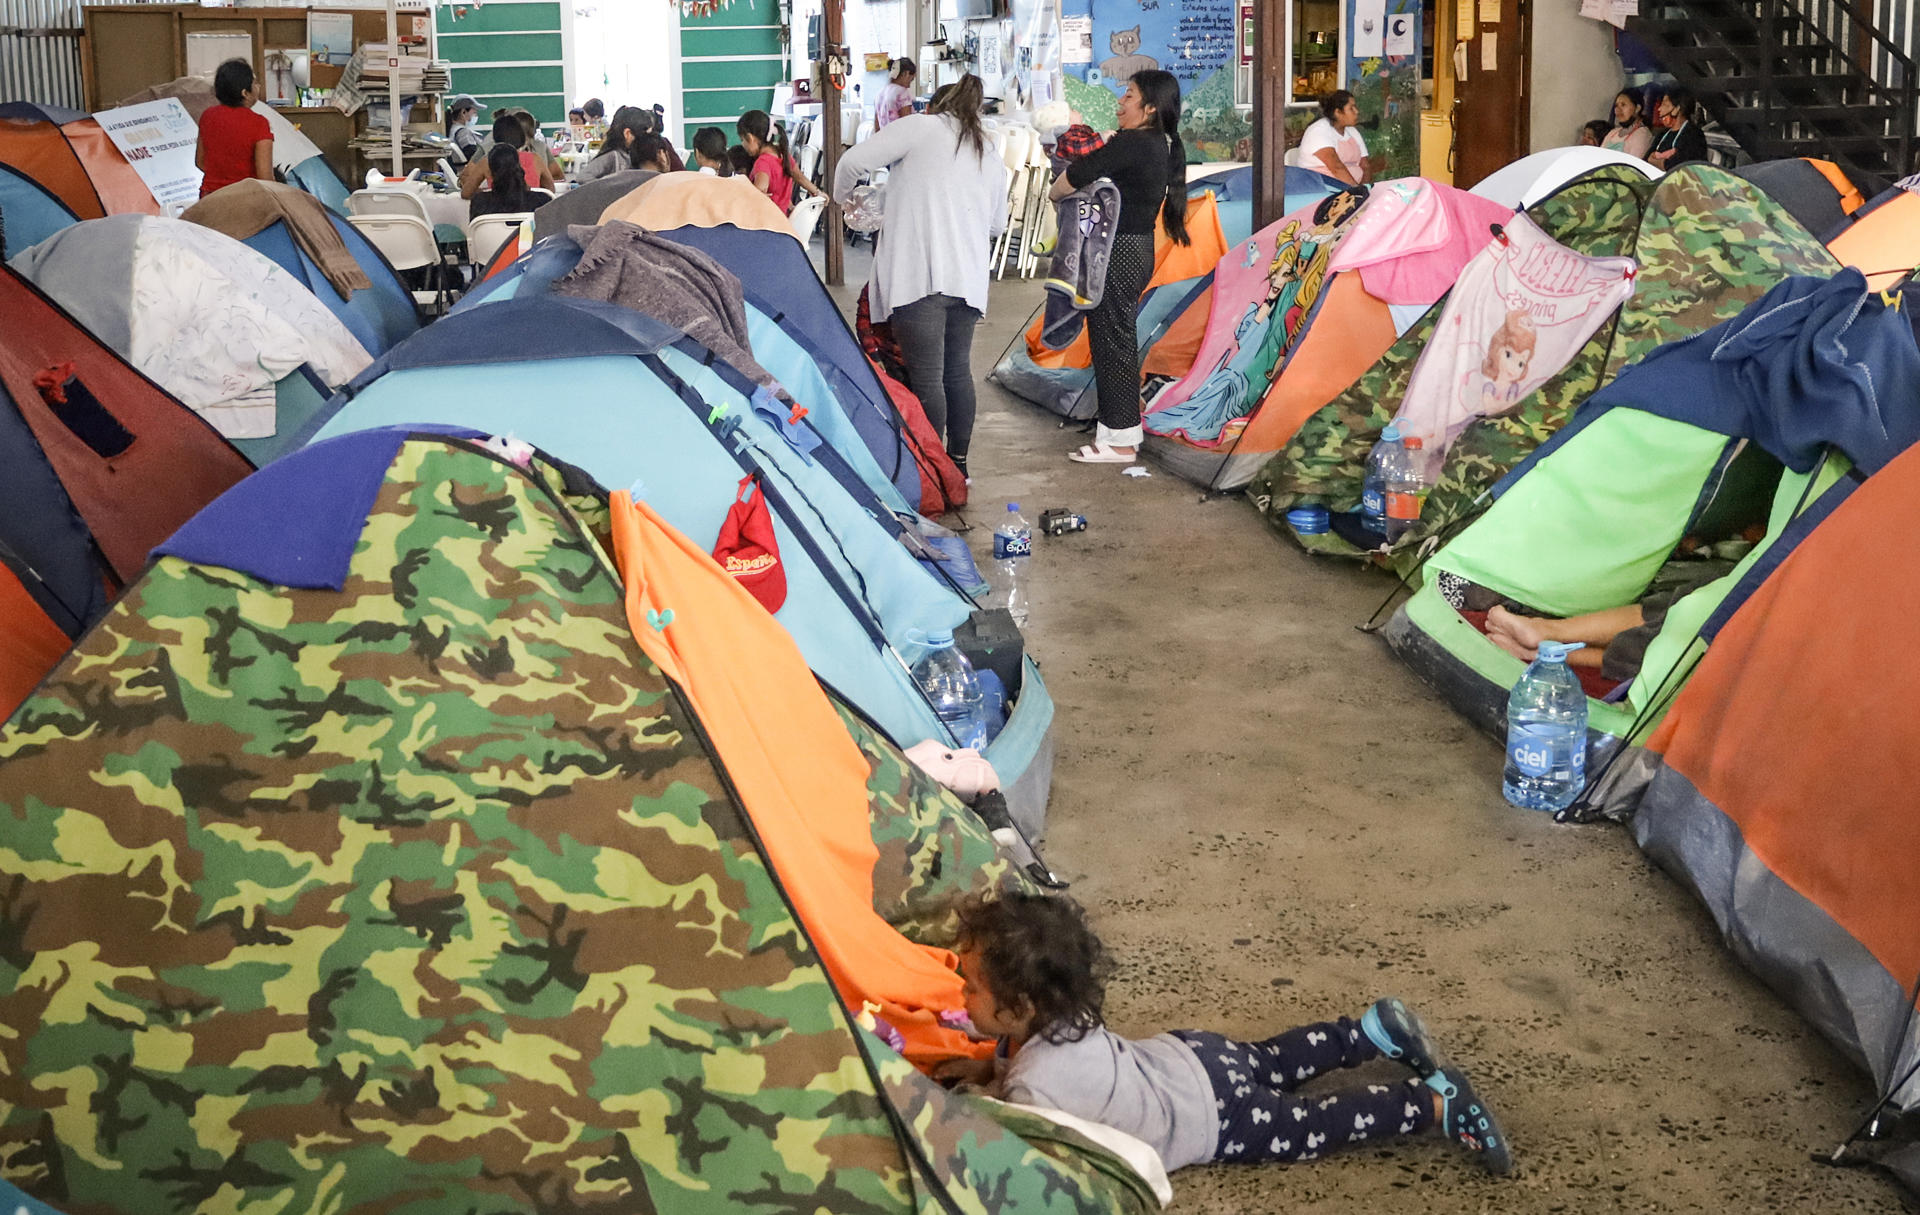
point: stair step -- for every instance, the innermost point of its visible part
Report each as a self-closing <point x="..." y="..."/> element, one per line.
<point x="1803" y="83"/>
<point x="1818" y="115"/>
<point x="1683" y="36"/>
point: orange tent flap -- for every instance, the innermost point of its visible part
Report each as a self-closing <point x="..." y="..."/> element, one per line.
<point x="30" y="643"/>
<point x="121" y="190"/>
<point x="1173" y="354"/>
<point x="1206" y="245"/>
<point x="799" y="775"/>
<point x="1789" y="729"/>
<point x="1348" y="334"/>
<point x="38" y="150"/>
<point x="1883" y="244"/>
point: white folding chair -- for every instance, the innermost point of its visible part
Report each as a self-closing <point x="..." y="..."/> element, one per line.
<point x="805" y="216"/>
<point x="1014" y="155"/>
<point x="406" y="241"/>
<point x="388" y="202"/>
<point x="486" y="234"/>
<point x="1038" y="210"/>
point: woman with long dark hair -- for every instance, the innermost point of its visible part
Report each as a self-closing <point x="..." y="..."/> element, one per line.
<point x="511" y="132"/>
<point x="710" y="152"/>
<point x="509" y="194"/>
<point x="616" y="149"/>
<point x="1147" y="161"/>
<point x="946" y="200"/>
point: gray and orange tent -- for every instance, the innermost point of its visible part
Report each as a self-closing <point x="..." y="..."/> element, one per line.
<point x="1782" y="789"/>
<point x="67" y="152"/>
<point x="1881" y="239"/>
<point x="97" y="466"/>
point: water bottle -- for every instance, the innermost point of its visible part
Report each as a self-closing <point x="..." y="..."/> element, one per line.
<point x="1373" y="490"/>
<point x="947" y="678"/>
<point x="1012" y="548"/>
<point x="1406" y="488"/>
<point x="1546" y="734"/>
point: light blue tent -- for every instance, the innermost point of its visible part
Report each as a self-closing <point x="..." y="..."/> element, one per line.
<point x="29" y="214"/>
<point x="775" y="347"/>
<point x="645" y="407"/>
<point x="316" y="177"/>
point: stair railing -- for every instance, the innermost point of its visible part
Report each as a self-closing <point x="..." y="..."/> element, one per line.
<point x="1858" y="59"/>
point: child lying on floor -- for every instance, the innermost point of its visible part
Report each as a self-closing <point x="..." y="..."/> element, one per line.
<point x="1035" y="978"/>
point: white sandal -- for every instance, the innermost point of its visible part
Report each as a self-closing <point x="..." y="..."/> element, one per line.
<point x="1101" y="453"/>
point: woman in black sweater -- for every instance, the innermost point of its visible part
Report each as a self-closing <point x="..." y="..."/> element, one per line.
<point x="1148" y="163"/>
<point x="1682" y="140"/>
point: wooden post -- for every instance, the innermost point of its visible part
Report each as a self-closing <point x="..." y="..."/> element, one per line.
<point x="831" y="34"/>
<point x="393" y="88"/>
<point x="1271" y="62"/>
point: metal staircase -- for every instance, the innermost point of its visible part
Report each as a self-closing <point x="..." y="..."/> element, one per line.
<point x="1791" y="78"/>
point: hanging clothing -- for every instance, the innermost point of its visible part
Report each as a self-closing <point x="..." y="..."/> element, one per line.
<point x="1413" y="238"/>
<point x="1088" y="222"/>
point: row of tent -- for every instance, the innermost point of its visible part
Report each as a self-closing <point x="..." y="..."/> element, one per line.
<point x="406" y="809"/>
<point x="1737" y="386"/>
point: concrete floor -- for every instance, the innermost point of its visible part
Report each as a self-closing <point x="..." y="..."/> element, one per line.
<point x="1272" y="821"/>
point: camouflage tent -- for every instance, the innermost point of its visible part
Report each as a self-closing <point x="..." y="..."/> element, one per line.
<point x="360" y="860"/>
<point x="1708" y="245"/>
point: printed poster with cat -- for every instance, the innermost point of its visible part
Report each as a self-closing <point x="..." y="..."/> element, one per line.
<point x="1522" y="309"/>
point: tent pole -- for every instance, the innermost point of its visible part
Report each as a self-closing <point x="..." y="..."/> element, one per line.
<point x="1271" y="63"/>
<point x="393" y="86"/>
<point x="831" y="52"/>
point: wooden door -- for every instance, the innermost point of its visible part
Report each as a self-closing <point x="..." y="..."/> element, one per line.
<point x="1490" y="128"/>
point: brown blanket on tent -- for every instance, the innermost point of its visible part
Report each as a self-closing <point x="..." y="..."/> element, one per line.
<point x="247" y="207"/>
<point x="627" y="265"/>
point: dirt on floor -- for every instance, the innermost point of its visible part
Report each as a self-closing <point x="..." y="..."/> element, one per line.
<point x="1272" y="821"/>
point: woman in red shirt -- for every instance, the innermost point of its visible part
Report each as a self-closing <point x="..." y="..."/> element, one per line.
<point x="235" y="142"/>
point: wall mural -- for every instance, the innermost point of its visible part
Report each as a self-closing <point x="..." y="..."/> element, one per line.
<point x="1388" y="86"/>
<point x="1193" y="39"/>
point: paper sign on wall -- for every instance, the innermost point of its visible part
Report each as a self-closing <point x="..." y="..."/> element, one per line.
<point x="1463" y="20"/>
<point x="1489" y="12"/>
<point x="1489" y="50"/>
<point x="1370" y="29"/>
<point x="159" y="139"/>
<point x="1400" y="34"/>
<point x="1076" y="39"/>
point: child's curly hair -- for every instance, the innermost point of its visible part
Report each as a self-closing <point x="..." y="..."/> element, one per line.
<point x="1037" y="950"/>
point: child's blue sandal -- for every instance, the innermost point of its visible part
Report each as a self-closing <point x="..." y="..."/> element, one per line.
<point x="1467" y="1120"/>
<point x="1399" y="1034"/>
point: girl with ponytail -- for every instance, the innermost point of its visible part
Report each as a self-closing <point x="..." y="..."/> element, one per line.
<point x="1148" y="162"/>
<point x="774" y="173"/>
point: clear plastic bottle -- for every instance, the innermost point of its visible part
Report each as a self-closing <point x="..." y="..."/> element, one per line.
<point x="1546" y="733"/>
<point x="1012" y="549"/>
<point x="1406" y="488"/>
<point x="947" y="678"/>
<point x="1373" y="490"/>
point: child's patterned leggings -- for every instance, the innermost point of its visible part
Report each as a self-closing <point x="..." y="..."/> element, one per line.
<point x="1263" y="1119"/>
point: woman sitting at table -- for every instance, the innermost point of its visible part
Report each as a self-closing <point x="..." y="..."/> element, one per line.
<point x="616" y="150"/>
<point x="652" y="152"/>
<point x="508" y="193"/>
<point x="506" y="131"/>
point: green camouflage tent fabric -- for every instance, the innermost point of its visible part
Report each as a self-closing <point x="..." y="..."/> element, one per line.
<point x="1708" y="244"/>
<point x="425" y="897"/>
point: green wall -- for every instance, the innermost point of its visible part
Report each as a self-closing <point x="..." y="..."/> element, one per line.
<point x="730" y="63"/>
<point x="507" y="53"/>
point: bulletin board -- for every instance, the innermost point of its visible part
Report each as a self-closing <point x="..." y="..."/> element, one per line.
<point x="1193" y="39"/>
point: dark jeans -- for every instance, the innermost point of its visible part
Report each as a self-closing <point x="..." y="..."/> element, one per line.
<point x="935" y="334"/>
<point x="1262" y="1118"/>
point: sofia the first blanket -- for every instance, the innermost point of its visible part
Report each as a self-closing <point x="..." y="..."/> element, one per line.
<point x="1523" y="308"/>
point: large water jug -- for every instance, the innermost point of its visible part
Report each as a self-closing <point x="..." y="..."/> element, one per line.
<point x="1546" y="733"/>
<point x="946" y="676"/>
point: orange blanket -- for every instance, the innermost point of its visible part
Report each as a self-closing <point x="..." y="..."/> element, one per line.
<point x="798" y="773"/>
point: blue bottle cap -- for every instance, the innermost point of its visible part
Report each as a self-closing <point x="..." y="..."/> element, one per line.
<point x="1308" y="520"/>
<point x="1390" y="434"/>
<point x="1013" y="508"/>
<point x="936" y="640"/>
<point x="1557" y="651"/>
